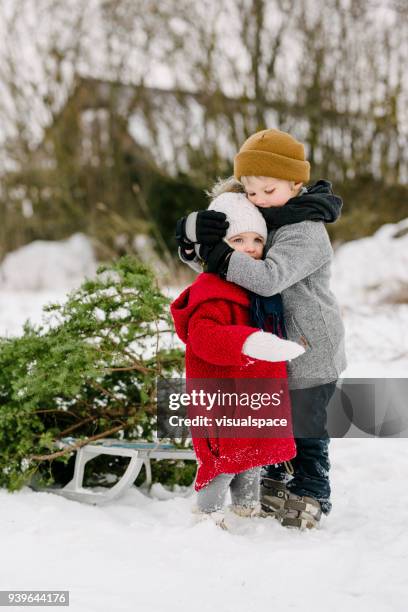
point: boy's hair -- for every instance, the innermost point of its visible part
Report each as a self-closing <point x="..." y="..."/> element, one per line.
<point x="228" y="185"/>
<point x="232" y="185"/>
<point x="292" y="183"/>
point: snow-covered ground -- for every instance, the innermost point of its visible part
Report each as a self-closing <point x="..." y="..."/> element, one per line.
<point x="370" y="280"/>
<point x="144" y="552"/>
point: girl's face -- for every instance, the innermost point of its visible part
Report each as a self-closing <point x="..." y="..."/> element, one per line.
<point x="250" y="243"/>
<point x="265" y="191"/>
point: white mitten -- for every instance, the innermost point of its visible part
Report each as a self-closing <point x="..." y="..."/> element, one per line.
<point x="267" y="346"/>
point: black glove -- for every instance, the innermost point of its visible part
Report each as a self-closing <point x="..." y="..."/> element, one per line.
<point x="211" y="227"/>
<point x="205" y="227"/>
<point x="216" y="258"/>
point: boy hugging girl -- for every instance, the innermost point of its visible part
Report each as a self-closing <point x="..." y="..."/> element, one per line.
<point x="287" y="297"/>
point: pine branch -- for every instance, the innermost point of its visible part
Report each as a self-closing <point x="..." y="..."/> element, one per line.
<point x="76" y="426"/>
<point x="77" y="445"/>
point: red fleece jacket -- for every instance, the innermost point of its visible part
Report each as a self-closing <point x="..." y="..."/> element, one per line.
<point x="212" y="318"/>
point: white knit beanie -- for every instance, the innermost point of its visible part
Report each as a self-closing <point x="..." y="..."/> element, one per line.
<point x="241" y="214"/>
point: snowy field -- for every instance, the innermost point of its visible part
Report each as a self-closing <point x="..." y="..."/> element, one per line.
<point x="145" y="553"/>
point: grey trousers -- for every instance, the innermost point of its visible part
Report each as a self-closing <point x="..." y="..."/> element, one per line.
<point x="244" y="488"/>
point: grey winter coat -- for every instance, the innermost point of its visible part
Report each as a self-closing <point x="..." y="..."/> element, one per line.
<point x="297" y="265"/>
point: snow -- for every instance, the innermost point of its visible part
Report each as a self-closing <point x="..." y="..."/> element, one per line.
<point x="46" y="264"/>
<point x="370" y="276"/>
<point x="374" y="269"/>
<point x="18" y="307"/>
<point x="144" y="552"/>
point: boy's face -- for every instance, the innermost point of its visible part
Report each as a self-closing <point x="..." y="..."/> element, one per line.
<point x="265" y="191"/>
<point x="249" y="243"/>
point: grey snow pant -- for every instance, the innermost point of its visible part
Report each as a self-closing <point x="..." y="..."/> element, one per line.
<point x="244" y="488"/>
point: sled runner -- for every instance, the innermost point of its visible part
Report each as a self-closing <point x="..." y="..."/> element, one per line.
<point x="140" y="453"/>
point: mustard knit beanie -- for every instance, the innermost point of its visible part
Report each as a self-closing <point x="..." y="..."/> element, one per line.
<point x="272" y="153"/>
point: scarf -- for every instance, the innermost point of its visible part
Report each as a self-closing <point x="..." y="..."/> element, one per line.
<point x="316" y="203"/>
<point x="267" y="313"/>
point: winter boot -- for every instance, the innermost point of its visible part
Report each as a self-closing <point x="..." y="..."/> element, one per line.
<point x="246" y="511"/>
<point x="273" y="496"/>
<point x="216" y="517"/>
<point x="301" y="512"/>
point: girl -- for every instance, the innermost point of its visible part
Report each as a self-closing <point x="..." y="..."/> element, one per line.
<point x="212" y="318"/>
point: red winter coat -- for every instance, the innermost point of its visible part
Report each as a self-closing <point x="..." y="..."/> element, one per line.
<point x="212" y="318"/>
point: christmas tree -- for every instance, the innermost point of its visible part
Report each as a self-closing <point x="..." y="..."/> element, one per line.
<point x="88" y="371"/>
